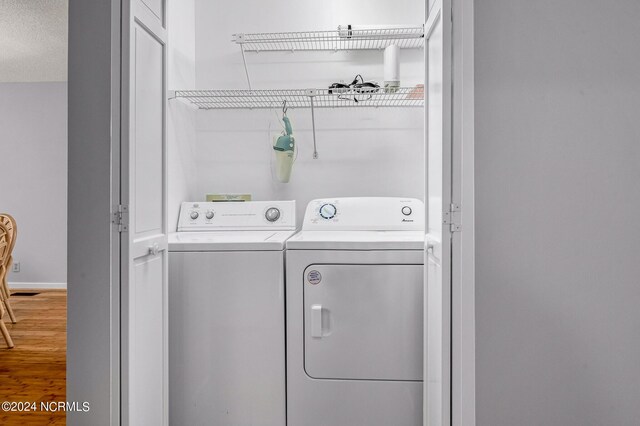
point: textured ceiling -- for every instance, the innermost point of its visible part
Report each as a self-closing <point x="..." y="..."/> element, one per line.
<point x="33" y="40"/>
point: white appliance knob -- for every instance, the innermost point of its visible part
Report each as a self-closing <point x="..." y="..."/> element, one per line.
<point x="209" y="215"/>
<point x="194" y="215"/>
<point x="328" y="211"/>
<point x="272" y="214"/>
<point x="406" y="210"/>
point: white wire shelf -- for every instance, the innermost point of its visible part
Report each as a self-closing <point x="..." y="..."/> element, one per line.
<point x="303" y="98"/>
<point x="344" y="38"/>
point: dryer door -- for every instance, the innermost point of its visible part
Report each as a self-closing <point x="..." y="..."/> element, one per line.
<point x="363" y="322"/>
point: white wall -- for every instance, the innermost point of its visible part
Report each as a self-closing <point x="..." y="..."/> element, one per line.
<point x="374" y="152"/>
<point x="557" y="207"/>
<point x="181" y="119"/>
<point x="33" y="172"/>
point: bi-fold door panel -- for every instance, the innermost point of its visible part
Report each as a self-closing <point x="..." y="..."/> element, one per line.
<point x="363" y="322"/>
<point x="144" y="321"/>
<point x="147" y="288"/>
<point x="147" y="384"/>
<point x="148" y="129"/>
<point x="441" y="219"/>
<point x="157" y="7"/>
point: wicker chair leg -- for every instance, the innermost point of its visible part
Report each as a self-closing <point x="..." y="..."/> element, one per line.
<point x="7" y="293"/>
<point x="12" y="316"/>
<point x="5" y="334"/>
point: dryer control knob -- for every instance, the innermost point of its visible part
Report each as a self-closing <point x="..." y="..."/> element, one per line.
<point x="194" y="215"/>
<point x="272" y="214"/>
<point x="328" y="211"/>
<point x="209" y="215"/>
<point x="406" y="210"/>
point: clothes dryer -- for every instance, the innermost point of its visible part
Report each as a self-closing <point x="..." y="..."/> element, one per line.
<point x="355" y="313"/>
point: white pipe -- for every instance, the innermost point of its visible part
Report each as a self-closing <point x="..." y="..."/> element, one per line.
<point x="391" y="67"/>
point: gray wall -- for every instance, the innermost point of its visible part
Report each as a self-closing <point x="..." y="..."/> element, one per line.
<point x="557" y="212"/>
<point x="93" y="308"/>
<point x="33" y="172"/>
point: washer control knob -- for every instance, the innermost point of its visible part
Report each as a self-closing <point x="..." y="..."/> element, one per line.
<point x="209" y="215"/>
<point x="272" y="214"/>
<point x="328" y="211"/>
<point x="194" y="215"/>
<point x="406" y="210"/>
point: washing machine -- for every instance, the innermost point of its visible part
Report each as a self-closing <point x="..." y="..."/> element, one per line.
<point x="227" y="313"/>
<point x="355" y="314"/>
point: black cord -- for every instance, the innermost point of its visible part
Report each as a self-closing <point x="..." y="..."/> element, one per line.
<point x="355" y="80"/>
<point x="354" y="85"/>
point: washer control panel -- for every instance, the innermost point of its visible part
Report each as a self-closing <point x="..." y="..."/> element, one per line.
<point x="365" y="213"/>
<point x="272" y="214"/>
<point x="236" y="215"/>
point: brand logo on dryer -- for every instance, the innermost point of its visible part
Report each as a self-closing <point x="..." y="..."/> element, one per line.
<point x="314" y="277"/>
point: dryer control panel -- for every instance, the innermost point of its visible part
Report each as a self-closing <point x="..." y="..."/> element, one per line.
<point x="236" y="215"/>
<point x="365" y="214"/>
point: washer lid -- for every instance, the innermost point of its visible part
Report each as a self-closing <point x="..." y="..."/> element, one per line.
<point x="357" y="240"/>
<point x="228" y="240"/>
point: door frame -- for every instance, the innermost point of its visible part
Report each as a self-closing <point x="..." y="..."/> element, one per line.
<point x="93" y="326"/>
<point x="462" y="325"/>
<point x="463" y="382"/>
<point x="94" y="194"/>
<point x="463" y="243"/>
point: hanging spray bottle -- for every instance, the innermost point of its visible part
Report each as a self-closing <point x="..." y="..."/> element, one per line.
<point x="284" y="147"/>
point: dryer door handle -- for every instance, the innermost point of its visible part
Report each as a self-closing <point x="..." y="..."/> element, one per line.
<point x="316" y="320"/>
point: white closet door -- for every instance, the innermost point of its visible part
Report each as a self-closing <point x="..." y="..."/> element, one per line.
<point x="143" y="196"/>
<point x="437" y="338"/>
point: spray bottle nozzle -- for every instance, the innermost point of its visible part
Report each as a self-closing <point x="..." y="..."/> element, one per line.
<point x="287" y="125"/>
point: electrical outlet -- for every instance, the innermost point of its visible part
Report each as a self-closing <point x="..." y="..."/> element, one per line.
<point x="16" y="267"/>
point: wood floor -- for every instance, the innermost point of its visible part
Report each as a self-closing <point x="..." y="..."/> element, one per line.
<point x="35" y="369"/>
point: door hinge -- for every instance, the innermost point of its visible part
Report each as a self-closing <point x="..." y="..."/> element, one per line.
<point x="120" y="218"/>
<point x="452" y="218"/>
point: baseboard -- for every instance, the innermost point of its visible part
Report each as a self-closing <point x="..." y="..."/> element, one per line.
<point x="39" y="286"/>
